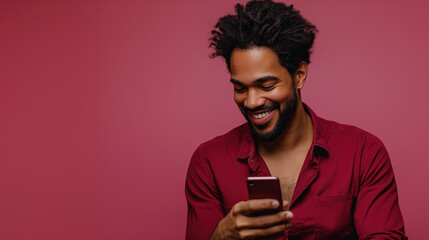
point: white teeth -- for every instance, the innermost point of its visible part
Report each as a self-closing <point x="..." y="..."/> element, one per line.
<point x="261" y="115"/>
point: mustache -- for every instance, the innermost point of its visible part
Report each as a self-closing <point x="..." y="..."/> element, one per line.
<point x="260" y="108"/>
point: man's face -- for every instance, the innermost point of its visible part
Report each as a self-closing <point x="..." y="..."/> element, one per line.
<point x="264" y="91"/>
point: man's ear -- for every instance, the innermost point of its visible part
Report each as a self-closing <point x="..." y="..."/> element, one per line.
<point x="301" y="75"/>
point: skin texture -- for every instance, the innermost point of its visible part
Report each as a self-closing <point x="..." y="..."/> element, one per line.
<point x="240" y="224"/>
<point x="262" y="84"/>
<point x="249" y="68"/>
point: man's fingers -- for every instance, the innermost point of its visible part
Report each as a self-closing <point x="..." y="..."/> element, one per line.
<point x="286" y="205"/>
<point x="255" y="205"/>
<point x="264" y="221"/>
<point x="247" y="225"/>
<point x="263" y="232"/>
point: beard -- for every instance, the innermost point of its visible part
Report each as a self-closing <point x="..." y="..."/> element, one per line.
<point x="283" y="123"/>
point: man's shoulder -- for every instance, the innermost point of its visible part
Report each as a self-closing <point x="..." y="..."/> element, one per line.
<point x="334" y="127"/>
<point x="231" y="139"/>
<point x="213" y="156"/>
<point x="335" y="131"/>
<point x="225" y="147"/>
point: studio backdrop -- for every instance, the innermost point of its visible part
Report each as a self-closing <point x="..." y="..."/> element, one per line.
<point x="102" y="104"/>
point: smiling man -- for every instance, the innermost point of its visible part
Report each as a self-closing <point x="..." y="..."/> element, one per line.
<point x="273" y="102"/>
<point x="336" y="180"/>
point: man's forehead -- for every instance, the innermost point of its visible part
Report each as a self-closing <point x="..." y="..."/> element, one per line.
<point x="255" y="64"/>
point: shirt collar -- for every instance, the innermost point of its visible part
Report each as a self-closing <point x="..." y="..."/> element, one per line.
<point x="320" y="135"/>
<point x="247" y="146"/>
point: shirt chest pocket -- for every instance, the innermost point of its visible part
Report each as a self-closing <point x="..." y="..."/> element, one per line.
<point x="334" y="217"/>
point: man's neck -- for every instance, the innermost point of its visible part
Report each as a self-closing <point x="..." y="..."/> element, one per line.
<point x="299" y="133"/>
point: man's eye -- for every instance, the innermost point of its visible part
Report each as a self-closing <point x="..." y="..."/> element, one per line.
<point x="239" y="90"/>
<point x="268" y="87"/>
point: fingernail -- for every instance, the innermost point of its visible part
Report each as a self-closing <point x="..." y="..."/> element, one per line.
<point x="275" y="204"/>
<point x="289" y="215"/>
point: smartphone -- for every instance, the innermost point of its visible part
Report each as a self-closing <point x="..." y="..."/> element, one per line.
<point x="265" y="187"/>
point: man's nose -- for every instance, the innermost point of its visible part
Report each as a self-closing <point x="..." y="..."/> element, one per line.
<point x="253" y="100"/>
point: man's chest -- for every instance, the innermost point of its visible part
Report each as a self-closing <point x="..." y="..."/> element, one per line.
<point x="321" y="195"/>
<point x="287" y="186"/>
<point x="287" y="170"/>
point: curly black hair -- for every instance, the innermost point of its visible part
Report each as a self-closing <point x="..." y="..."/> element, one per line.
<point x="265" y="24"/>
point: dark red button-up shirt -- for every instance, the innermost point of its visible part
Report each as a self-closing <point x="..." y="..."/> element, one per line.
<point x="345" y="190"/>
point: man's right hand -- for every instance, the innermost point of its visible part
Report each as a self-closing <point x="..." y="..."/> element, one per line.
<point x="241" y="223"/>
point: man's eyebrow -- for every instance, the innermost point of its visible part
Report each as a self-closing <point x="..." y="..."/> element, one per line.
<point x="262" y="79"/>
<point x="234" y="81"/>
<point x="266" y="78"/>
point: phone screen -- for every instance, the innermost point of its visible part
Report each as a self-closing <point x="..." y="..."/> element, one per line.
<point x="265" y="188"/>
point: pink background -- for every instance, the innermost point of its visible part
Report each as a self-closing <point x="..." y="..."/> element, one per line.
<point x="102" y="104"/>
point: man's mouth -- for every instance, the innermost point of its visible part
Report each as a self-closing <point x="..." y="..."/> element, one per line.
<point x="261" y="115"/>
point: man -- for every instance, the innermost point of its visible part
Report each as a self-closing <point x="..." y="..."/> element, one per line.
<point x="337" y="180"/>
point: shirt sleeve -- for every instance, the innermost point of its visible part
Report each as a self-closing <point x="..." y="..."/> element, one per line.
<point x="204" y="201"/>
<point x="377" y="214"/>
